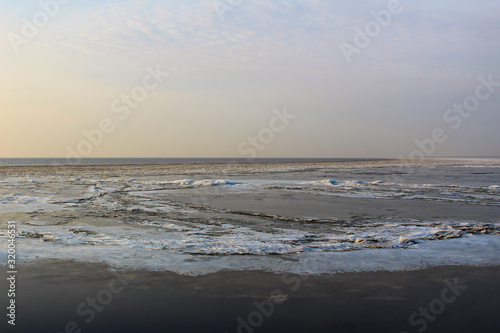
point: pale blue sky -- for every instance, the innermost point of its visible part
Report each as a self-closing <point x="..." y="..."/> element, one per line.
<point x="227" y="76"/>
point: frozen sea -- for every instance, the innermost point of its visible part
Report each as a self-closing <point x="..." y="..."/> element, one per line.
<point x="196" y="217"/>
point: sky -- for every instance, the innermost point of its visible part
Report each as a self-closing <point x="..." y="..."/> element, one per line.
<point x="249" y="78"/>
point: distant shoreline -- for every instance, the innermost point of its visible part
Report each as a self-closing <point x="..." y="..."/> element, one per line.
<point x="34" y="162"/>
<point x="4" y="162"/>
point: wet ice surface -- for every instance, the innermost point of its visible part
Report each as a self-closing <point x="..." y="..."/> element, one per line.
<point x="304" y="218"/>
